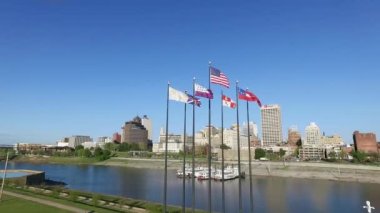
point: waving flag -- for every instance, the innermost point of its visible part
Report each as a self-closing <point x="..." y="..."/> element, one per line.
<point x="176" y="95"/>
<point x="248" y="96"/>
<point x="217" y="77"/>
<point x="202" y="91"/>
<point x="228" y="102"/>
<point x="194" y="100"/>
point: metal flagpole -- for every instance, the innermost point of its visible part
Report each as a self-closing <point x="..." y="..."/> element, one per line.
<point x="222" y="137"/>
<point x="4" y="176"/>
<point x="193" y="156"/>
<point x="238" y="144"/>
<point x="249" y="163"/>
<point x="209" y="142"/>
<point x="184" y="161"/>
<point x="166" y="150"/>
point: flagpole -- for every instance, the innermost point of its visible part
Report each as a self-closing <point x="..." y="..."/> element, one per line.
<point x="166" y="149"/>
<point x="222" y="137"/>
<point x="238" y="143"/>
<point x="184" y="160"/>
<point x="193" y="155"/>
<point x="249" y="163"/>
<point x="209" y="141"/>
<point x="4" y="176"/>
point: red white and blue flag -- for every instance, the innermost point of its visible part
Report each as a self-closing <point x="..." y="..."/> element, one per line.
<point x="228" y="102"/>
<point x="194" y="100"/>
<point x="202" y="91"/>
<point x="248" y="96"/>
<point x="217" y="77"/>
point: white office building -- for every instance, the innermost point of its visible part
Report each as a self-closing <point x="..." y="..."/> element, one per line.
<point x="147" y="123"/>
<point x="313" y="135"/>
<point x="271" y="125"/>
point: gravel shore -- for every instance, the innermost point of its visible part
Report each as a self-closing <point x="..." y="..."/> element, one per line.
<point x="310" y="170"/>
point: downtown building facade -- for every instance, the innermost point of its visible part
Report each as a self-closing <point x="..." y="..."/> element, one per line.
<point x="365" y="142"/>
<point x="147" y="123"/>
<point x="133" y="132"/>
<point x="271" y="125"/>
<point x="77" y="140"/>
<point x="313" y="135"/>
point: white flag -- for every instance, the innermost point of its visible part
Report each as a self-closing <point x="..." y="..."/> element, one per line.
<point x="176" y="95"/>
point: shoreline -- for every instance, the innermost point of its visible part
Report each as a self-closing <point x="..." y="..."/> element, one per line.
<point x="306" y="170"/>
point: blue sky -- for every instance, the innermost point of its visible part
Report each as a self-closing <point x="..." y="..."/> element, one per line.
<point x="85" y="67"/>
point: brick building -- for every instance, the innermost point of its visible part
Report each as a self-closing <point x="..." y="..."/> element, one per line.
<point x="135" y="133"/>
<point x="365" y="142"/>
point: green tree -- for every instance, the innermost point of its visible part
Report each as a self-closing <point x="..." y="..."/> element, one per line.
<point x="98" y="152"/>
<point x="359" y="156"/>
<point x="259" y="153"/>
<point x="299" y="142"/>
<point x="332" y="156"/>
<point x="135" y="147"/>
<point x="79" y="152"/>
<point x="224" y="146"/>
<point x="79" y="147"/>
<point x="282" y="152"/>
<point x="87" y="153"/>
<point x="124" y="147"/>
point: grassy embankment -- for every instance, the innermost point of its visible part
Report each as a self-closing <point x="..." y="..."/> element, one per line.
<point x="54" y="159"/>
<point x="91" y="201"/>
<point x="13" y="204"/>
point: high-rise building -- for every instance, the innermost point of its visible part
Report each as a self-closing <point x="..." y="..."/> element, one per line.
<point x="252" y="129"/>
<point x="271" y="125"/>
<point x="147" y="123"/>
<point x="135" y="133"/>
<point x="365" y="142"/>
<point x="293" y="136"/>
<point x="313" y="135"/>
<point x="77" y="140"/>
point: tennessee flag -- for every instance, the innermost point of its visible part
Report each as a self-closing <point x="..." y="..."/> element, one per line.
<point x="248" y="96"/>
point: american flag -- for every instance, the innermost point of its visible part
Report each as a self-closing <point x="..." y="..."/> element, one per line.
<point x="217" y="77"/>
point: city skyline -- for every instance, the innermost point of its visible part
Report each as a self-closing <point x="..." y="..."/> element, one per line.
<point x="70" y="68"/>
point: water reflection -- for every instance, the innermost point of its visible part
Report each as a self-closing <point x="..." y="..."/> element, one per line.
<point x="271" y="194"/>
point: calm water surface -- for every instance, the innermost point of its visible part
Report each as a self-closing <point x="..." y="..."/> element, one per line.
<point x="271" y="194"/>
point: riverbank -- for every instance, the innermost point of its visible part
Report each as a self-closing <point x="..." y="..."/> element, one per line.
<point x="309" y="170"/>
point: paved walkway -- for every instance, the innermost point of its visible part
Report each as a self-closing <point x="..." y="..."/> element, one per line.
<point x="46" y="202"/>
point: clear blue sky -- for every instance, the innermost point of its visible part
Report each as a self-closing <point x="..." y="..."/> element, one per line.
<point x="85" y="67"/>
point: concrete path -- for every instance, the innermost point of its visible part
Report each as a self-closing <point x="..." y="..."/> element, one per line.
<point x="46" y="202"/>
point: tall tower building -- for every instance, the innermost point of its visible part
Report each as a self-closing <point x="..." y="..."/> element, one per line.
<point x="271" y="125"/>
<point x="293" y="136"/>
<point x="313" y="134"/>
<point x="147" y="123"/>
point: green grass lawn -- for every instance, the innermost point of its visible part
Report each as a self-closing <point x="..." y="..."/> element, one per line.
<point x="13" y="204"/>
<point x="58" y="160"/>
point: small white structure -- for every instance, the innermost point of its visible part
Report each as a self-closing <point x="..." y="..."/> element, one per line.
<point x="368" y="207"/>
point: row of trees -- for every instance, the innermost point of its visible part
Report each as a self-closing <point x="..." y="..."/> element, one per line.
<point x="97" y="153"/>
<point x="270" y="155"/>
<point x="122" y="147"/>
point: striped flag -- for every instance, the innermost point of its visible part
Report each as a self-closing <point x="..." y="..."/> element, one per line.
<point x="202" y="91"/>
<point x="217" y="77"/>
<point x="228" y="102"/>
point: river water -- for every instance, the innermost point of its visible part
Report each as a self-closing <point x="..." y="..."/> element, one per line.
<point x="271" y="194"/>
